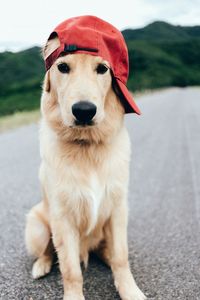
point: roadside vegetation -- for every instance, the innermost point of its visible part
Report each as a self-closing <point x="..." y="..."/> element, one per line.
<point x="19" y="119"/>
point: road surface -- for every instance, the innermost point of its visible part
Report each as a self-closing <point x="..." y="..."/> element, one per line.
<point x="164" y="199"/>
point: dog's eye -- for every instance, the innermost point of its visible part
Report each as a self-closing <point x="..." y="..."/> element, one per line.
<point x="101" y="69"/>
<point x="64" y="68"/>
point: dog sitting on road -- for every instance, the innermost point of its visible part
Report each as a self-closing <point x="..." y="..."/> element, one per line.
<point x="85" y="151"/>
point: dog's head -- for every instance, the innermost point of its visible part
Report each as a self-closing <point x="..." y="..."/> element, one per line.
<point x="78" y="100"/>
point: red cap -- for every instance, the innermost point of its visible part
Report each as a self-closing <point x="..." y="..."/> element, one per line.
<point x="91" y="35"/>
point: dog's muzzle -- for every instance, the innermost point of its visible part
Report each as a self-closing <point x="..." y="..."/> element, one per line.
<point x="84" y="111"/>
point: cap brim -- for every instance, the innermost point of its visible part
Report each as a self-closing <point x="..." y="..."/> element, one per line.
<point x="127" y="99"/>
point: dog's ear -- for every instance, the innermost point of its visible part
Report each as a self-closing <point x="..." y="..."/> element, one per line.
<point x="119" y="95"/>
<point x="52" y="44"/>
<point x="47" y="84"/>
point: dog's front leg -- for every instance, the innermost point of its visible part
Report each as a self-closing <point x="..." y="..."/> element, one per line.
<point x="118" y="245"/>
<point x="66" y="243"/>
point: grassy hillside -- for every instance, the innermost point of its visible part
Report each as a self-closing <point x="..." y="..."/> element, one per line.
<point x="20" y="80"/>
<point x="159" y="30"/>
<point x="161" y="55"/>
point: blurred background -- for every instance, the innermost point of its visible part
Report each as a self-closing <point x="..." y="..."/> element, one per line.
<point x="163" y="39"/>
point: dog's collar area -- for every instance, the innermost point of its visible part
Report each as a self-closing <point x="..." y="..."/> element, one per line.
<point x="73" y="48"/>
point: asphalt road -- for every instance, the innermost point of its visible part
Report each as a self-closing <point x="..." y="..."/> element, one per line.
<point x="164" y="198"/>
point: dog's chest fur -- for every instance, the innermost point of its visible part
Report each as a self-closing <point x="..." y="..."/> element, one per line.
<point x="81" y="189"/>
<point x="87" y="192"/>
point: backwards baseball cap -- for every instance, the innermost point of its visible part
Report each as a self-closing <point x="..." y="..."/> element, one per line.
<point x="91" y="35"/>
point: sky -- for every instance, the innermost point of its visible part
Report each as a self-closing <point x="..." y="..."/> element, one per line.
<point x="25" y="23"/>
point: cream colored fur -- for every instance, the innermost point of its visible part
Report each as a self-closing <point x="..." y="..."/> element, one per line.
<point x="84" y="177"/>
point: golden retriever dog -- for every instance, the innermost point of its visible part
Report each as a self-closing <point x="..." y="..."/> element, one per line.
<point x="85" y="152"/>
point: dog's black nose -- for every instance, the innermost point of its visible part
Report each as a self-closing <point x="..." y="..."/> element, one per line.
<point x="84" y="111"/>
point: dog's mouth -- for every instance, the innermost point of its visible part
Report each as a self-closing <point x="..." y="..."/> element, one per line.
<point x="83" y="124"/>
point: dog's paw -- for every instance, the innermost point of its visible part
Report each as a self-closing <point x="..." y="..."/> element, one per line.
<point x="41" y="267"/>
<point x="73" y="296"/>
<point x="129" y="290"/>
<point x="126" y="285"/>
<point x="133" y="294"/>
